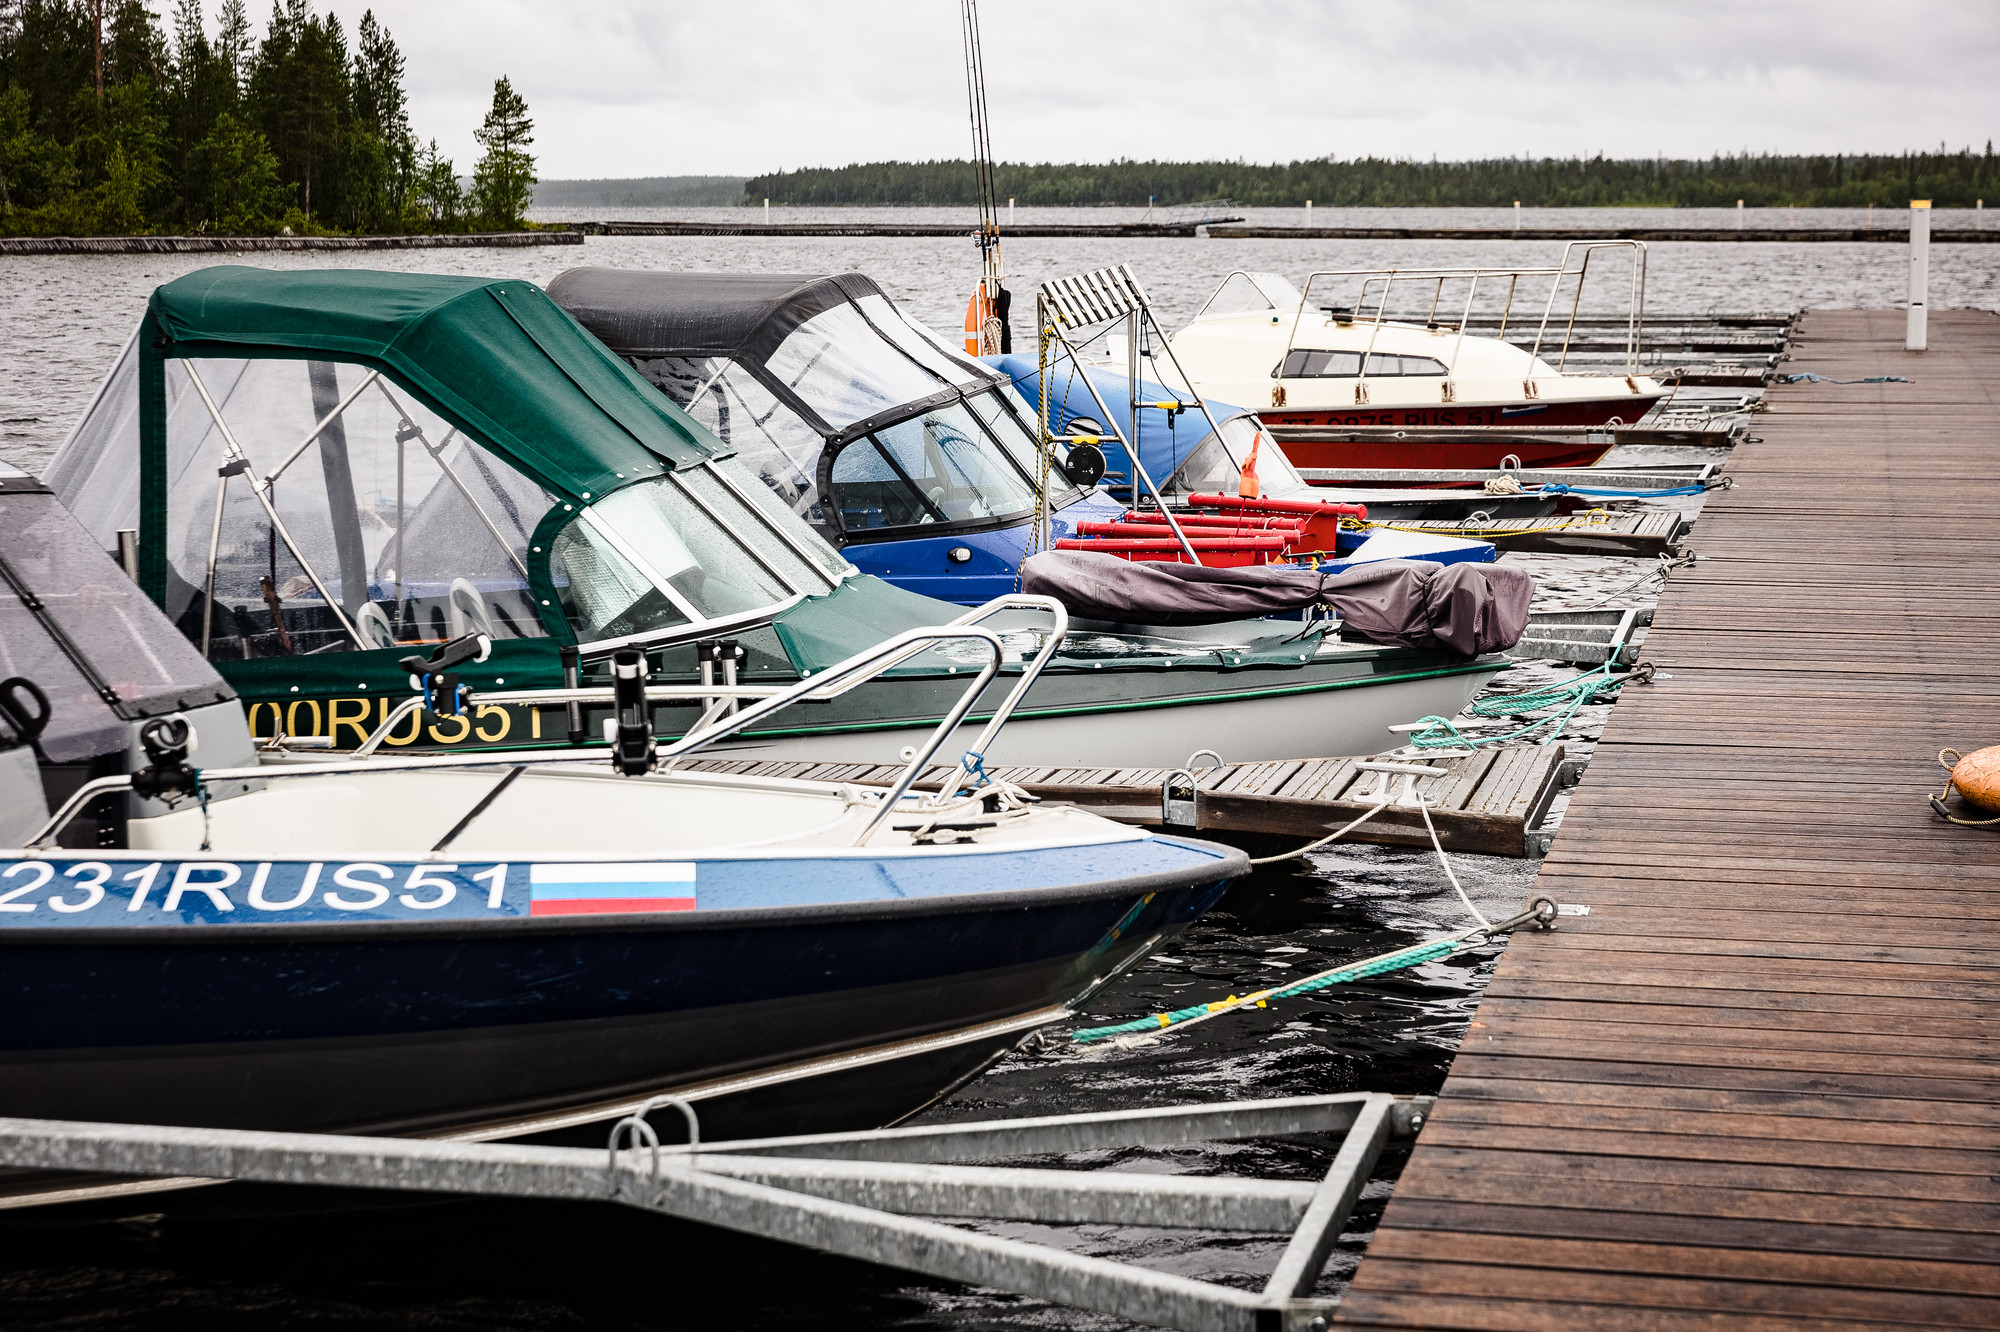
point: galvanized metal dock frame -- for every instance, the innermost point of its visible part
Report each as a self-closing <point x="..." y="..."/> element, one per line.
<point x="1758" y="1086"/>
<point x="870" y="1195"/>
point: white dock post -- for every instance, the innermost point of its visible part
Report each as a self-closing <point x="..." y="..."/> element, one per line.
<point x="1010" y="210"/>
<point x="767" y="211"/>
<point x="1517" y="214"/>
<point x="1739" y="215"/>
<point x="1918" y="338"/>
<point x="1309" y="212"/>
<point x="1979" y="214"/>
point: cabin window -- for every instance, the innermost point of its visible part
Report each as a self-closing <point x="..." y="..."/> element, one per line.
<point x="1379" y="364"/>
<point x="939" y="467"/>
<point x="1302" y="363"/>
<point x="394" y="529"/>
<point x="844" y="371"/>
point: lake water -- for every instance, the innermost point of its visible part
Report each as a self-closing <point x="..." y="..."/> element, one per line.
<point x="62" y="318"/>
<point x="533" y="1266"/>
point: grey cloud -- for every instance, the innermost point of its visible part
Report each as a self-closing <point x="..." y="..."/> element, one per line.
<point x="621" y="90"/>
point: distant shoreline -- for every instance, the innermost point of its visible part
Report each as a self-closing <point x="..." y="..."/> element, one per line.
<point x="490" y="240"/>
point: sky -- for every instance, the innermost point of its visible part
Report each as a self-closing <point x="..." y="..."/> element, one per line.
<point x="739" y="88"/>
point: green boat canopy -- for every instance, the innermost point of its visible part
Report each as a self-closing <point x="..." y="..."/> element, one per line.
<point x="498" y="357"/>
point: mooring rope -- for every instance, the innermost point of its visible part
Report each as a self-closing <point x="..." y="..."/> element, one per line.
<point x="1569" y="696"/>
<point x="1807" y="377"/>
<point x="1661" y="492"/>
<point x="1542" y="911"/>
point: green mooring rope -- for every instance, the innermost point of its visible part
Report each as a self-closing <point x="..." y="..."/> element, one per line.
<point x="1570" y="696"/>
<point x="1374" y="966"/>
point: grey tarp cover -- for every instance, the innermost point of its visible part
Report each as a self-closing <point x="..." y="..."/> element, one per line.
<point x="121" y="637"/>
<point x="1468" y="608"/>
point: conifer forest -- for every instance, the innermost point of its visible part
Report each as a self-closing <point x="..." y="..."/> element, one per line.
<point x="1951" y="179"/>
<point x="114" y="120"/>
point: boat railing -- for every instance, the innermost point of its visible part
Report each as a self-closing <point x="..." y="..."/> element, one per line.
<point x="1566" y="277"/>
<point x="834" y="681"/>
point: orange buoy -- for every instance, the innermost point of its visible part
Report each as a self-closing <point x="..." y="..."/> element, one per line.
<point x="1977" y="776"/>
<point x="1246" y="486"/>
<point x="978" y="311"/>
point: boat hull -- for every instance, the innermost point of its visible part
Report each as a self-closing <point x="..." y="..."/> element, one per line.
<point x="1283" y="720"/>
<point x="443" y="1028"/>
<point x="1439" y="453"/>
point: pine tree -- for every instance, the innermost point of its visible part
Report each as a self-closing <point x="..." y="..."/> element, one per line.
<point x="503" y="183"/>
<point x="232" y="46"/>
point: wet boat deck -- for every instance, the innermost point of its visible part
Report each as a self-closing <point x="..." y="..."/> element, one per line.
<point x="1758" y="1086"/>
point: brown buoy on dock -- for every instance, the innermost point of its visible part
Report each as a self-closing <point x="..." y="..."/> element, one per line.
<point x="1976" y="777"/>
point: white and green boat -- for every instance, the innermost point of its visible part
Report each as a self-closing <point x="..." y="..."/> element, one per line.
<point x="318" y="475"/>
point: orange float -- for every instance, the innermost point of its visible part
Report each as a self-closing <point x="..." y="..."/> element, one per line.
<point x="977" y="311"/>
<point x="1976" y="775"/>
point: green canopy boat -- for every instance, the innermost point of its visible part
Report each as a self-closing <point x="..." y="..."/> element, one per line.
<point x="327" y="471"/>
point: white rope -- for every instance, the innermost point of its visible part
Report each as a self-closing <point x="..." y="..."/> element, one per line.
<point x="1445" y="861"/>
<point x="1314" y="846"/>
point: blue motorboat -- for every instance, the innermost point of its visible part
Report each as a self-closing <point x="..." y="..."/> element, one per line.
<point x="917" y="461"/>
<point x="492" y="946"/>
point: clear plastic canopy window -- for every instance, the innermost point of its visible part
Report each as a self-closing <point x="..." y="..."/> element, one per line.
<point x="936" y="468"/>
<point x="328" y="510"/>
<point x="974" y="480"/>
<point x="845" y="371"/>
<point x="687" y="547"/>
<point x="1215" y="466"/>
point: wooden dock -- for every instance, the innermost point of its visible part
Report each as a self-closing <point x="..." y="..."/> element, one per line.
<point x="1883" y="235"/>
<point x="1758" y="1086"/>
<point x="1650" y="532"/>
<point x="1491" y="803"/>
<point x="793" y="227"/>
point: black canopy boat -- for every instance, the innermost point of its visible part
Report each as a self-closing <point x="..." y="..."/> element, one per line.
<point x="444" y="945"/>
<point x="328" y="471"/>
<point x="918" y="462"/>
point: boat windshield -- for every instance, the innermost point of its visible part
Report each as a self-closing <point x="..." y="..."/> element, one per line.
<point x="1250" y="293"/>
<point x="1215" y="466"/>
<point x="969" y="458"/>
<point x="938" y="467"/>
<point x="705" y="544"/>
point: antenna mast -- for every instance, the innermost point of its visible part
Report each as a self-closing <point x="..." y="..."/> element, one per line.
<point x="986" y="331"/>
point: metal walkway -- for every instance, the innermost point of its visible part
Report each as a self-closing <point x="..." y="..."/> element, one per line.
<point x="1758" y="1086"/>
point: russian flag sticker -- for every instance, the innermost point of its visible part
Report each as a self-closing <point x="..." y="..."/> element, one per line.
<point x="583" y="890"/>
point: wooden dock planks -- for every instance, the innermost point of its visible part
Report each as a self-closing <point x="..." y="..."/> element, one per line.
<point x="1649" y="532"/>
<point x="1759" y="1085"/>
<point x="1491" y="803"/>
